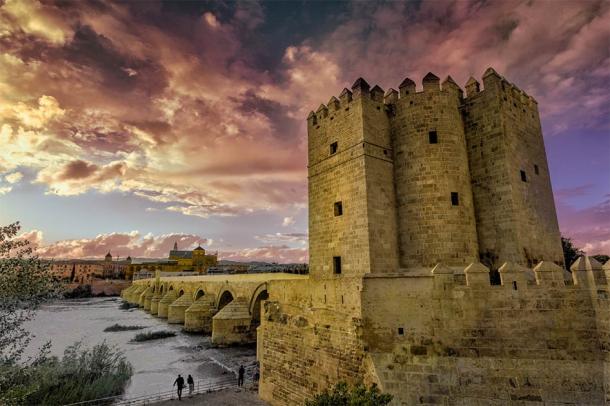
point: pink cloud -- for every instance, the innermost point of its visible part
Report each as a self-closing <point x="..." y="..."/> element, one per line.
<point x="158" y="246"/>
<point x="118" y="244"/>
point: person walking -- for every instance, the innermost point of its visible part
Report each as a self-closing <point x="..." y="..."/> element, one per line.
<point x="191" y="384"/>
<point x="240" y="376"/>
<point x="180" y="383"/>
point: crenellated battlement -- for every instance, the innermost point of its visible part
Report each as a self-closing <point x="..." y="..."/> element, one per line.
<point x="586" y="273"/>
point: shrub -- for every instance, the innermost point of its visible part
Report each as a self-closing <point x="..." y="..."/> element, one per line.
<point x="119" y="327"/>
<point x="153" y="335"/>
<point x="82" y="374"/>
<point x="359" y="395"/>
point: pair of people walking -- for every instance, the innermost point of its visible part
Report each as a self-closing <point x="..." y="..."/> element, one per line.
<point x="179" y="383"/>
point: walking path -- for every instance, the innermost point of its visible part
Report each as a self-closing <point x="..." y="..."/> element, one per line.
<point x="226" y="397"/>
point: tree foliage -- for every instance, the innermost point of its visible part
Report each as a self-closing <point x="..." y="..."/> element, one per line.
<point x="343" y="395"/>
<point x="570" y="252"/>
<point x="26" y="282"/>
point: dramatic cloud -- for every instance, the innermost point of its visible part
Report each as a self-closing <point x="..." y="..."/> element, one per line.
<point x="200" y="109"/>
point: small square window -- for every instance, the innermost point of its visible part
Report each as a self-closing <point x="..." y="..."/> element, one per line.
<point x="523" y="176"/>
<point x="433" y="137"/>
<point x="337" y="265"/>
<point x="401" y="331"/>
<point x="338" y="209"/>
<point x="455" y="199"/>
<point x="536" y="170"/>
<point x="333" y="147"/>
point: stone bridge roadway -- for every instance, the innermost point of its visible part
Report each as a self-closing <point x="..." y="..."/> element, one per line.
<point x="227" y="306"/>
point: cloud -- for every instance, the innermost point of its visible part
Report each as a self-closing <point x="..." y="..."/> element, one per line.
<point x="5" y="189"/>
<point x="164" y="108"/>
<point x="276" y="238"/>
<point x="272" y="253"/>
<point x="588" y="227"/>
<point x="190" y="111"/>
<point x="118" y="244"/>
<point x="152" y="246"/>
<point x="14" y="177"/>
<point x="288" y="221"/>
<point x="40" y="20"/>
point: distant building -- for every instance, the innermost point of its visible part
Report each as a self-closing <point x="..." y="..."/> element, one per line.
<point x="196" y="261"/>
<point x="85" y="270"/>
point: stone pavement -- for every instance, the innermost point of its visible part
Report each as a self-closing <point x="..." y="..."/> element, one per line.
<point x="227" y="397"/>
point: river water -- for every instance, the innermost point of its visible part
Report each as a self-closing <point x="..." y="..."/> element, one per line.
<point x="156" y="363"/>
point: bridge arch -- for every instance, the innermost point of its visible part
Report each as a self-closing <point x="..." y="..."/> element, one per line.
<point x="225" y="297"/>
<point x="260" y="294"/>
<point x="181" y="292"/>
<point x="199" y="293"/>
<point x="260" y="289"/>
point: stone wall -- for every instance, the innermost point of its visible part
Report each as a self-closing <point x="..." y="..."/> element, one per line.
<point x="440" y="339"/>
<point x="482" y="345"/>
<point x="309" y="339"/>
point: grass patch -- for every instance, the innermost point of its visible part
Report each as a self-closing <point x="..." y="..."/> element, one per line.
<point x="127" y="306"/>
<point x="153" y="335"/>
<point x="119" y="327"/>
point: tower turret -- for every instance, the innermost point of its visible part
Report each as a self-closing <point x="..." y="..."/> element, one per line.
<point x="352" y="222"/>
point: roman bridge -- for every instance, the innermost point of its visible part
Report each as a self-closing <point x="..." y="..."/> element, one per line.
<point x="226" y="306"/>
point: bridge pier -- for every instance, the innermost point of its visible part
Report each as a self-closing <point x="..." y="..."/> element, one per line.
<point x="148" y="298"/>
<point x="142" y="298"/>
<point x="231" y="325"/>
<point x="198" y="317"/>
<point x="125" y="293"/>
<point x="169" y="298"/>
<point x="175" y="314"/>
<point x="134" y="295"/>
<point x="154" y="302"/>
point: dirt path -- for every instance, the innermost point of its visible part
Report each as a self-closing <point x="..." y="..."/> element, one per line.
<point x="227" y="397"/>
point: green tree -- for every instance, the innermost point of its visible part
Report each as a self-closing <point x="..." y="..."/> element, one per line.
<point x="342" y="395"/>
<point x="570" y="252"/>
<point x="26" y="282"/>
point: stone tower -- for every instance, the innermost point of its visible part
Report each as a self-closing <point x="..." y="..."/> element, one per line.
<point x="514" y="207"/>
<point x="352" y="222"/>
<point x="433" y="193"/>
<point x="410" y="179"/>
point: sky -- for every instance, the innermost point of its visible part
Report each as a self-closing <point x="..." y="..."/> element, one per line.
<point x="126" y="126"/>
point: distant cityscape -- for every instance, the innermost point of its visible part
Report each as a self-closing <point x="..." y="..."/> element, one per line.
<point x="178" y="262"/>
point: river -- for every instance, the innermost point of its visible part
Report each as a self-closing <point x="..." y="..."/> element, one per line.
<point x="156" y="363"/>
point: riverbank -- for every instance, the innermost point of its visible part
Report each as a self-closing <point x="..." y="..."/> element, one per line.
<point x="156" y="363"/>
<point x="96" y="288"/>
